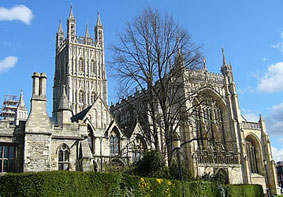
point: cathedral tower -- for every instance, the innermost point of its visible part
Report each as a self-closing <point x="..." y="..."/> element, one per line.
<point x="79" y="66"/>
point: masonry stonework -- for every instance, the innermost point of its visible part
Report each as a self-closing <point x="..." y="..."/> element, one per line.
<point x="85" y="134"/>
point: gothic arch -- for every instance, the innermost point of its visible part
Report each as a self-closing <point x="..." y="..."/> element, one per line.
<point x="213" y="94"/>
<point x="210" y="116"/>
<point x="91" y="138"/>
<point x="222" y="176"/>
<point x="114" y="141"/>
<point x="63" y="152"/>
<point x="254" y="154"/>
<point x="61" y="145"/>
<point x="81" y="64"/>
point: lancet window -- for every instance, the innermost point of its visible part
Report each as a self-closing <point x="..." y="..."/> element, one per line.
<point x="252" y="155"/>
<point x="114" y="143"/>
<point x="81" y="65"/>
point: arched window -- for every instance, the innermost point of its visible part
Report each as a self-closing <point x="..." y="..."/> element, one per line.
<point x="114" y="143"/>
<point x="91" y="140"/>
<point x="81" y="96"/>
<point x="95" y="68"/>
<point x="81" y="65"/>
<point x="92" y="66"/>
<point x="92" y="97"/>
<point x="209" y="123"/>
<point x="252" y="154"/>
<point x="138" y="148"/>
<point x="63" y="158"/>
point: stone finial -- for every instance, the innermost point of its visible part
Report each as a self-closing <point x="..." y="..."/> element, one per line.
<point x="204" y="63"/>
<point x="260" y="118"/>
<point x="224" y="59"/>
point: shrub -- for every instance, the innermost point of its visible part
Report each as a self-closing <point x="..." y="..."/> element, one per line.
<point x="63" y="183"/>
<point x="245" y="190"/>
<point x="175" y="171"/>
<point x="151" y="165"/>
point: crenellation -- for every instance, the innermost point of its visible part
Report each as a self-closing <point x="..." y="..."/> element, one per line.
<point x="85" y="134"/>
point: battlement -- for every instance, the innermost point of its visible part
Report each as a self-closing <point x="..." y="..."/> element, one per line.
<point x="205" y="76"/>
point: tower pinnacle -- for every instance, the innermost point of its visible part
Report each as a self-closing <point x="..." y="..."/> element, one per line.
<point x="224" y="59"/>
<point x="21" y="101"/>
<point x="60" y="30"/>
<point x="86" y="31"/>
<point x="98" y="23"/>
<point x="71" y="16"/>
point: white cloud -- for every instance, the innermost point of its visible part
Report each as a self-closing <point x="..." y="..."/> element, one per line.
<point x="18" y="12"/>
<point x="274" y="122"/>
<point x="278" y="46"/>
<point x="265" y="59"/>
<point x="272" y="81"/>
<point x="7" y="63"/>
<point x="277" y="154"/>
<point x="251" y="117"/>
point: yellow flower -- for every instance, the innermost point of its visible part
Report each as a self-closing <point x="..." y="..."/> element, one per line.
<point x="169" y="183"/>
<point x="159" y="181"/>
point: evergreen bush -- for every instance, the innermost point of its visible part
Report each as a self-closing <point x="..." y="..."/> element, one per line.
<point x="64" y="183"/>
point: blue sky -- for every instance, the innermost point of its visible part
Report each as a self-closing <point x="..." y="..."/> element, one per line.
<point x="250" y="31"/>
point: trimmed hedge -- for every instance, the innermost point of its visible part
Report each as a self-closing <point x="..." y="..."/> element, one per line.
<point x="63" y="183"/>
<point x="245" y="190"/>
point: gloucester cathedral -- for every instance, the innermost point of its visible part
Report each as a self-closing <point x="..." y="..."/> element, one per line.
<point x="85" y="134"/>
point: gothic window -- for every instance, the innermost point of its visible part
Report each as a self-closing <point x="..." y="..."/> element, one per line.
<point x="81" y="65"/>
<point x="114" y="143"/>
<point x="209" y="122"/>
<point x="100" y="36"/>
<point x="99" y="69"/>
<point x="63" y="158"/>
<point x="138" y="148"/>
<point x="95" y="68"/>
<point x="92" y="66"/>
<point x="7" y="158"/>
<point x="92" y="97"/>
<point x="252" y="155"/>
<point x="91" y="140"/>
<point x="81" y="96"/>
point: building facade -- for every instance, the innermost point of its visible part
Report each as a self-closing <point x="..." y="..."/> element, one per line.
<point x="85" y="134"/>
<point x="279" y="168"/>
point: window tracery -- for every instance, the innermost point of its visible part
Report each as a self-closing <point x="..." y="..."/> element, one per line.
<point x="252" y="155"/>
<point x="209" y="125"/>
<point x="114" y="143"/>
<point x="63" y="158"/>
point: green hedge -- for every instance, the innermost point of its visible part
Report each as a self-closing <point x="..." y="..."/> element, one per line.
<point x="60" y="183"/>
<point x="245" y="190"/>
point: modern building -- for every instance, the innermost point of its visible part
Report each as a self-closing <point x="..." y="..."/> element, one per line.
<point x="85" y="134"/>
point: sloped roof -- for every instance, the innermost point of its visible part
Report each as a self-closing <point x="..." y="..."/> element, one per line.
<point x="81" y="115"/>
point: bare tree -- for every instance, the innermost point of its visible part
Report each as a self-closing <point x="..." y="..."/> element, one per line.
<point x="152" y="55"/>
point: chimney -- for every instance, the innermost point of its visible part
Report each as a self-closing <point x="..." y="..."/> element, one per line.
<point x="35" y="85"/>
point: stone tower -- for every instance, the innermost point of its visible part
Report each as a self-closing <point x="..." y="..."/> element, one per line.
<point x="80" y="66"/>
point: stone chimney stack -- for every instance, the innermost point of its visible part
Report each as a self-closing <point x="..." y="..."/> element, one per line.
<point x="38" y="131"/>
<point x="38" y="118"/>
